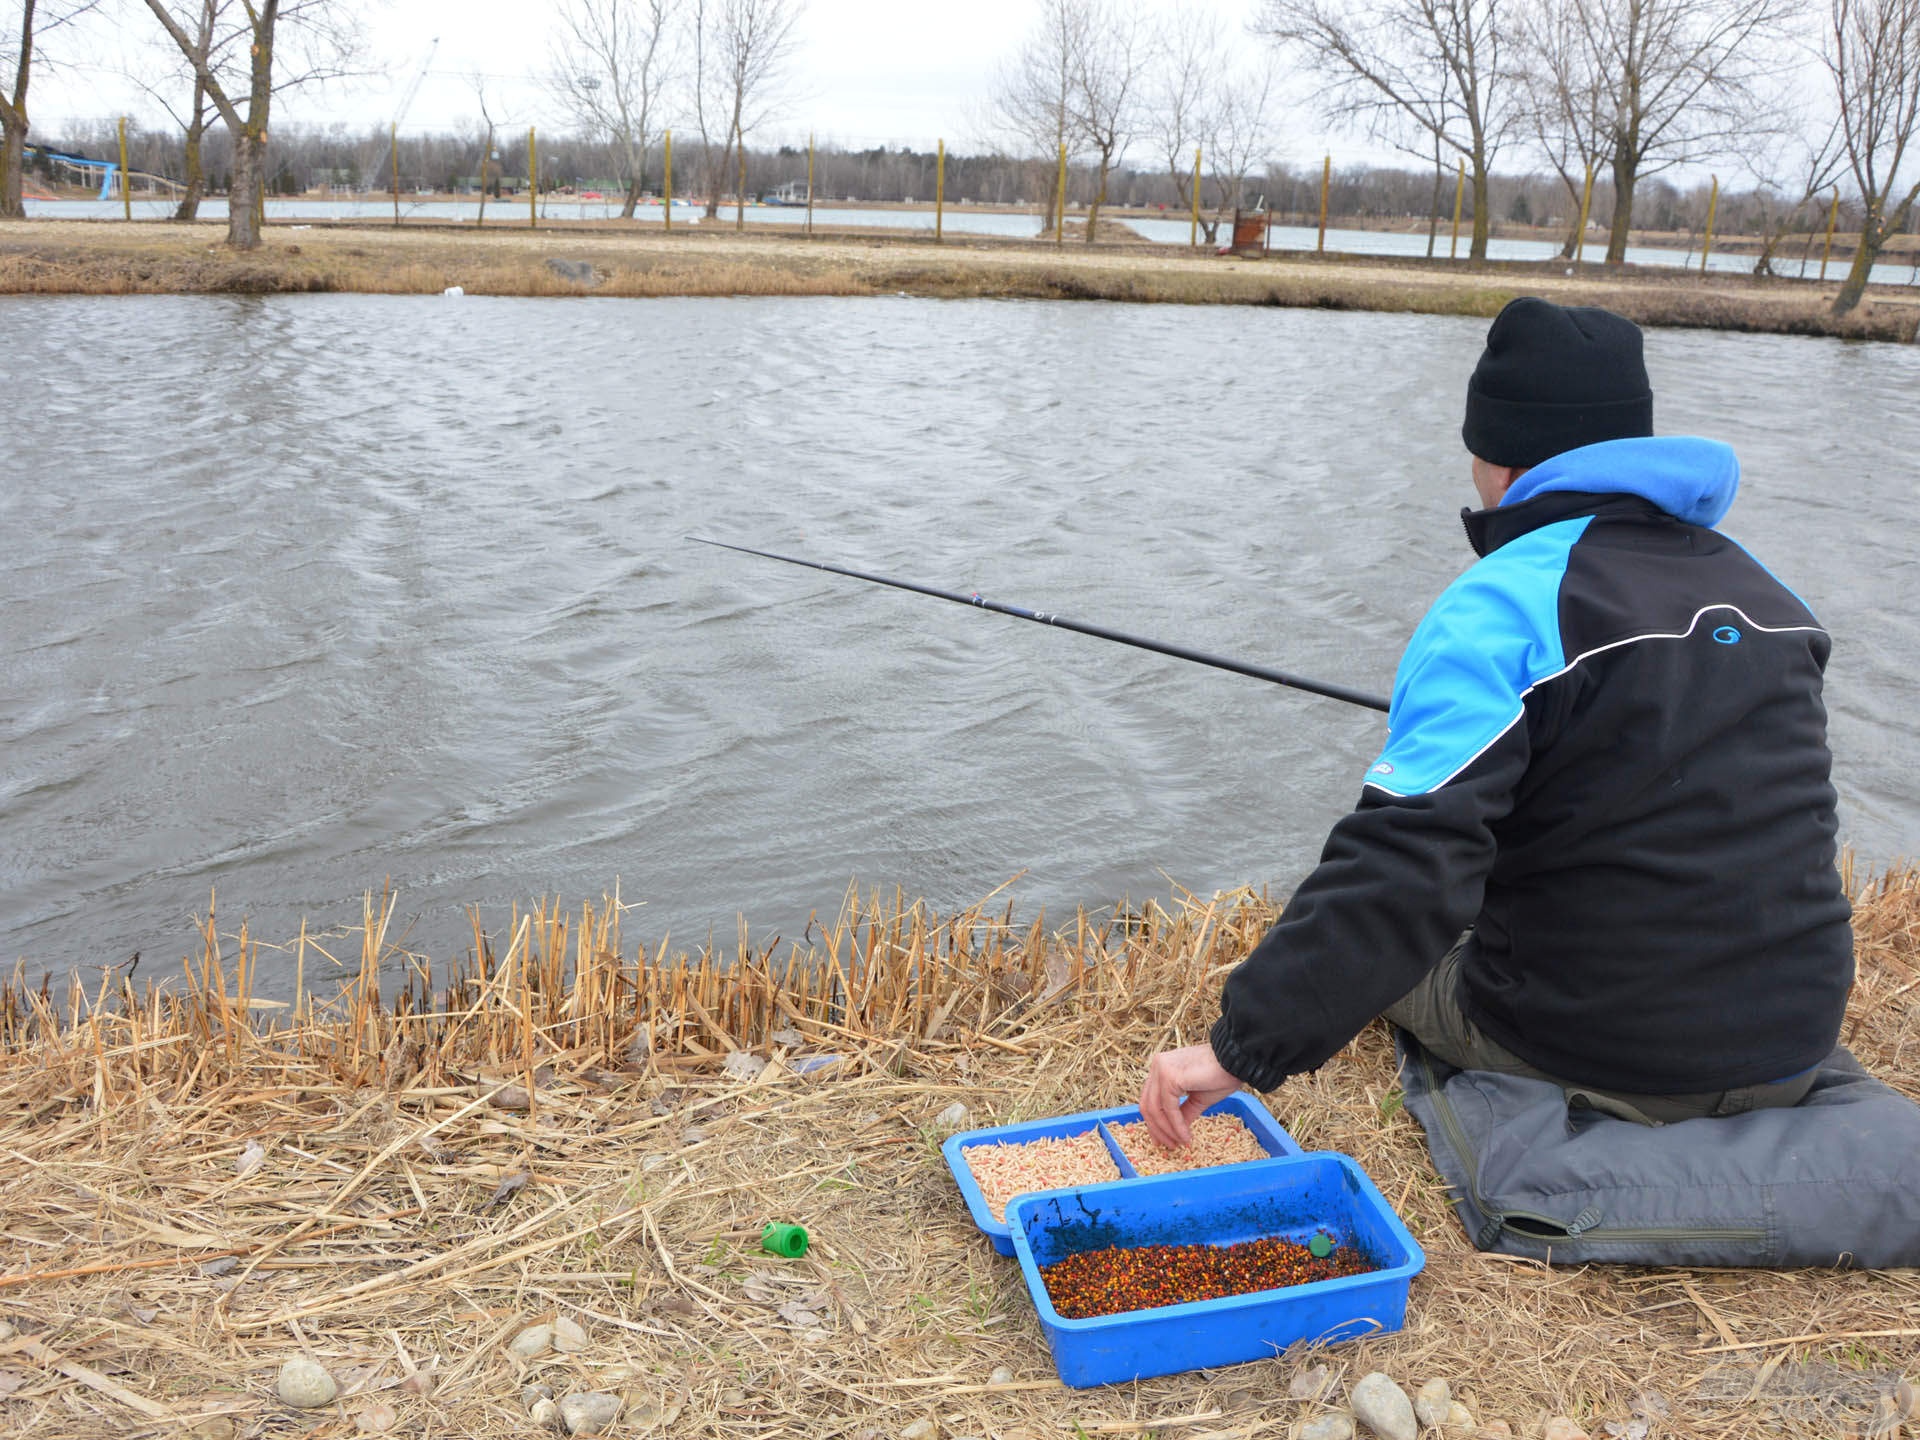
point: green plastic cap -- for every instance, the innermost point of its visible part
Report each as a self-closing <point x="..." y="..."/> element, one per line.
<point x="787" y="1240"/>
<point x="1320" y="1246"/>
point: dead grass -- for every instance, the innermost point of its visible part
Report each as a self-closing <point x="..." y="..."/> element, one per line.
<point x="557" y="1130"/>
<point x="80" y="257"/>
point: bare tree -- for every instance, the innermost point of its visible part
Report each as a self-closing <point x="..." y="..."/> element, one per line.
<point x="610" y="67"/>
<point x="1188" y="55"/>
<point x="1873" y="55"/>
<point x="322" y="40"/>
<point x="1788" y="169"/>
<point x="742" y="50"/>
<point x="213" y="25"/>
<point x="1240" y="128"/>
<point x="1568" y="104"/>
<point x="1105" y="95"/>
<point x="1682" y="79"/>
<point x="33" y="21"/>
<point x="1033" y="96"/>
<point x="1427" y="68"/>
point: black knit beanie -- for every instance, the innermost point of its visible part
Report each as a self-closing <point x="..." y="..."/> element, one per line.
<point x="1554" y="378"/>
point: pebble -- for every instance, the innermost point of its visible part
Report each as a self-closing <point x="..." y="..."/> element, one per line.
<point x="1383" y="1408"/>
<point x="1459" y="1420"/>
<point x="1561" y="1428"/>
<point x="532" y="1395"/>
<point x="1430" y="1403"/>
<point x="7" y="1332"/>
<point x="588" y="1412"/>
<point x="953" y="1117"/>
<point x="531" y="1342"/>
<point x="545" y="1412"/>
<point x="377" y="1419"/>
<point x="1326" y="1427"/>
<point x="920" y="1430"/>
<point x="1002" y="1375"/>
<point x="1310" y="1384"/>
<point x="569" y="1337"/>
<point x="304" y="1384"/>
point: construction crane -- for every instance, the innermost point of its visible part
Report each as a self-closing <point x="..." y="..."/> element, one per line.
<point x="406" y="104"/>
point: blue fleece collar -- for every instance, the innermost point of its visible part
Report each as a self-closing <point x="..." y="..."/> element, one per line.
<point x="1691" y="479"/>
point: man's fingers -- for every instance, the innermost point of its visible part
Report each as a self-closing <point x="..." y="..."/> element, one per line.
<point x="1160" y="1107"/>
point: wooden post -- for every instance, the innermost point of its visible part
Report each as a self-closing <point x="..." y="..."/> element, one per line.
<point x="1060" y="201"/>
<point x="1459" y="194"/>
<point x="1706" y="243"/>
<point x="393" y="149"/>
<point x="1326" y="179"/>
<point x="666" y="200"/>
<point x="809" y="184"/>
<point x="1586" y="205"/>
<point x="126" y="187"/>
<point x="1193" y="229"/>
<point x="533" y="182"/>
<point x="1833" y="218"/>
<point x="939" y="192"/>
<point x="485" y="150"/>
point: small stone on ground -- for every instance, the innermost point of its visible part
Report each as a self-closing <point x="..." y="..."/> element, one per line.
<point x="1326" y="1427"/>
<point x="1383" y="1407"/>
<point x="1561" y="1428"/>
<point x="1430" y="1403"/>
<point x="1002" y="1375"/>
<point x="532" y="1342"/>
<point x="920" y="1430"/>
<point x="305" y="1383"/>
<point x="588" y="1412"/>
<point x="569" y="1338"/>
<point x="1310" y="1384"/>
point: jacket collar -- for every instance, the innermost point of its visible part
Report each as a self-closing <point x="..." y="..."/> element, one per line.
<point x="1488" y="530"/>
<point x="1686" y="478"/>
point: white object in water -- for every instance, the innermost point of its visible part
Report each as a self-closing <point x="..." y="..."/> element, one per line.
<point x="453" y="290"/>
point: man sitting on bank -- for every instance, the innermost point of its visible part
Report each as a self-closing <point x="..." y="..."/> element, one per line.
<point x="1599" y="846"/>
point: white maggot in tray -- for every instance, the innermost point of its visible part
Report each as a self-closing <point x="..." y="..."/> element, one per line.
<point x="1005" y="1170"/>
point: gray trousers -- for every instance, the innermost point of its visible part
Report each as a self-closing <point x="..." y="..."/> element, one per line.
<point x="1432" y="1013"/>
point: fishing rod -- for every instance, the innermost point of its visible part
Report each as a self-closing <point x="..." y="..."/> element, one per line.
<point x="1099" y="632"/>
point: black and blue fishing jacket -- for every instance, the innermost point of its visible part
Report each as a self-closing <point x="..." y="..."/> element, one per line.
<point x="1607" y="757"/>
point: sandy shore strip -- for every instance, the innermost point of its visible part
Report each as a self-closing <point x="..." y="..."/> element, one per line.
<point x="98" y="258"/>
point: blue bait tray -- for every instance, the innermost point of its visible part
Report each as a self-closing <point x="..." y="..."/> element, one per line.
<point x="1291" y="1199"/>
<point x="1273" y="1139"/>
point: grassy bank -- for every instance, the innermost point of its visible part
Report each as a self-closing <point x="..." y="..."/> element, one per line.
<point x="76" y="257"/>
<point x="201" y="1186"/>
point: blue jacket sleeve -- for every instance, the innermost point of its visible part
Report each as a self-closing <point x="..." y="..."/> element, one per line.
<point x="1403" y="874"/>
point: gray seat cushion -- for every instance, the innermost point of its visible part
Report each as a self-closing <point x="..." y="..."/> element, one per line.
<point x="1833" y="1181"/>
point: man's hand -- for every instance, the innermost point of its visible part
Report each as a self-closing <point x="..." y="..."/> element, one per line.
<point x="1192" y="1073"/>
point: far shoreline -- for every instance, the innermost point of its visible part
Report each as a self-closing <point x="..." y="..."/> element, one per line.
<point x="92" y="257"/>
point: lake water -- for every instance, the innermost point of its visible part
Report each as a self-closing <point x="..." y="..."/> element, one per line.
<point x="1010" y="224"/>
<point x="307" y="593"/>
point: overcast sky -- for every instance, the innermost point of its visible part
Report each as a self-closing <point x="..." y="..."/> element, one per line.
<point x="866" y="72"/>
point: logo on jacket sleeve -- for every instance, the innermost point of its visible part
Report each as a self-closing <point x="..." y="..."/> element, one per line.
<point x="1727" y="635"/>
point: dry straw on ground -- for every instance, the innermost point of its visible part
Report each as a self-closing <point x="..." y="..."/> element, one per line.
<point x="200" y="1186"/>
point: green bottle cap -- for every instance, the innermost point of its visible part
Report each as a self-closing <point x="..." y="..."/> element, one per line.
<point x="787" y="1240"/>
<point x="1320" y="1246"/>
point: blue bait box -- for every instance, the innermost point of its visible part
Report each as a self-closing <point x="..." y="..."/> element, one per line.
<point x="1268" y="1131"/>
<point x="1290" y="1199"/>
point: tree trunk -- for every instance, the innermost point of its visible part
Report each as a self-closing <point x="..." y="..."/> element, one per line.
<point x="242" y="234"/>
<point x="13" y="125"/>
<point x="1482" y="212"/>
<point x="636" y="179"/>
<point x="1625" y="168"/>
<point x="189" y="206"/>
<point x="12" y="162"/>
<point x="1873" y="234"/>
<point x="246" y="212"/>
<point x="1099" y="198"/>
<point x="1433" y="210"/>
